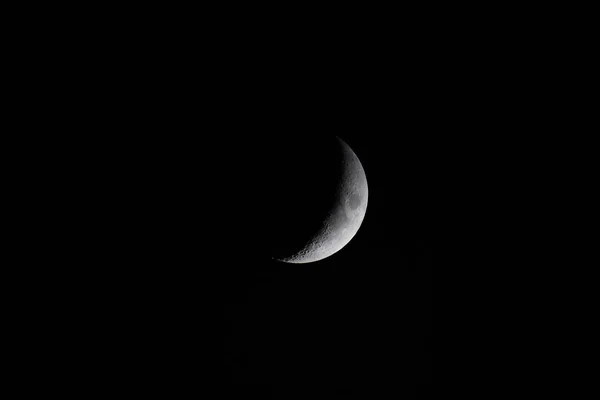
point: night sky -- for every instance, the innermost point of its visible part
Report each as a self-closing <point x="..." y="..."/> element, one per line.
<point x="192" y="299"/>
<point x="357" y="323"/>
<point x="173" y="290"/>
<point x="184" y="293"/>
<point x="176" y="291"/>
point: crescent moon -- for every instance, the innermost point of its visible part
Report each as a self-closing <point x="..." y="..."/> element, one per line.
<point x="346" y="216"/>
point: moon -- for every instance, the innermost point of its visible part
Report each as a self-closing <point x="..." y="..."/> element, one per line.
<point x="344" y="217"/>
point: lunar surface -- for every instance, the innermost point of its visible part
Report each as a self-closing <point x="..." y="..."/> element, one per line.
<point x="344" y="218"/>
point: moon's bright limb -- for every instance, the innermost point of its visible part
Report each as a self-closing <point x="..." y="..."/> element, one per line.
<point x="344" y="219"/>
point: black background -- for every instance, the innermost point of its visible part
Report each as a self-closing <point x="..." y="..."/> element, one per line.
<point x="178" y="291"/>
<point x="360" y="316"/>
<point x="186" y="295"/>
<point x="197" y="299"/>
<point x="165" y="279"/>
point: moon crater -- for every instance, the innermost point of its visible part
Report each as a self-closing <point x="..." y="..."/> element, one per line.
<point x="354" y="201"/>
